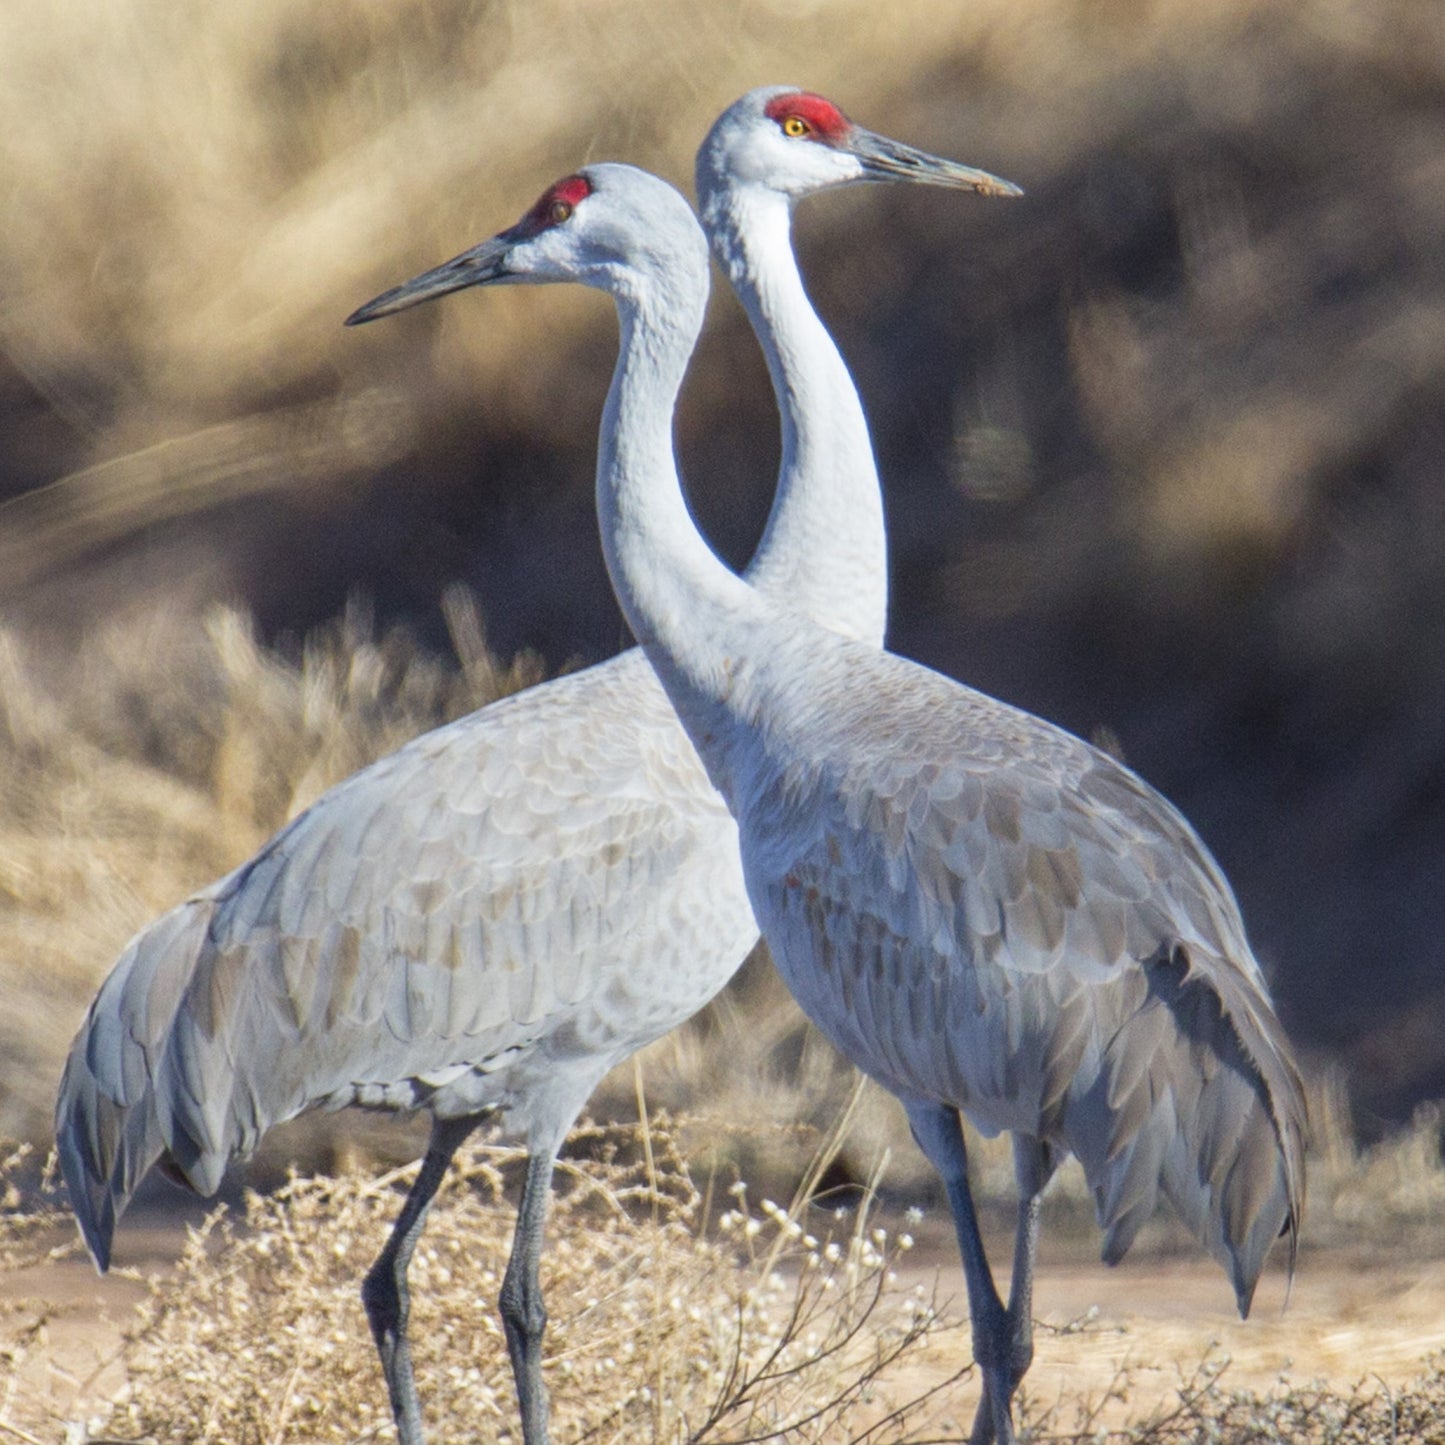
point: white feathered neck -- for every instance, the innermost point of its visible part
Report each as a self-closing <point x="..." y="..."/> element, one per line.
<point x="828" y="504"/>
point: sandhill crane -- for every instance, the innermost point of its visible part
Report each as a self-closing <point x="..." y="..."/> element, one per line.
<point x="485" y="922"/>
<point x="984" y="913"/>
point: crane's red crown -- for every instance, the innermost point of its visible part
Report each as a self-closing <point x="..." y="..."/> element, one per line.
<point x="823" y="119"/>
<point x="555" y="205"/>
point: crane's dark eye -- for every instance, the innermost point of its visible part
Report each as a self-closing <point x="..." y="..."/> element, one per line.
<point x="559" y="211"/>
<point x="796" y="126"/>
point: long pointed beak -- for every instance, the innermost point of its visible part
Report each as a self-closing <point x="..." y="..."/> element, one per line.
<point x="891" y="160"/>
<point x="482" y="264"/>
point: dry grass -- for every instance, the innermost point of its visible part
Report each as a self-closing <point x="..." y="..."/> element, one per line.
<point x="230" y="187"/>
<point x="205" y="196"/>
<point x="662" y="1329"/>
<point x="158" y="756"/>
<point x="681" y="1312"/>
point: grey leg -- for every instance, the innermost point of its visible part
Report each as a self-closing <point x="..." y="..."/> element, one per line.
<point x="1034" y="1164"/>
<point x="384" y="1292"/>
<point x="524" y="1316"/>
<point x="940" y="1136"/>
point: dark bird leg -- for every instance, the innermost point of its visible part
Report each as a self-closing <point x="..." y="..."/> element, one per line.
<point x="384" y="1292"/>
<point x="1034" y="1165"/>
<point x="523" y="1313"/>
<point x="939" y="1133"/>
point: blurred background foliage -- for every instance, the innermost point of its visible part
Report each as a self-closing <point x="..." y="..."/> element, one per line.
<point x="1163" y="441"/>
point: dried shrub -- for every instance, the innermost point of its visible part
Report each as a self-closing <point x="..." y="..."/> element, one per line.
<point x="661" y="1329"/>
<point x="757" y="1325"/>
<point x="31" y="1208"/>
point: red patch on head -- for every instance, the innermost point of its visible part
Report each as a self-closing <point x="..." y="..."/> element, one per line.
<point x="568" y="192"/>
<point x="822" y="117"/>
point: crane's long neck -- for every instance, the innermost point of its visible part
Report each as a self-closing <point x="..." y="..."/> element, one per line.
<point x="825" y="549"/>
<point x="694" y="617"/>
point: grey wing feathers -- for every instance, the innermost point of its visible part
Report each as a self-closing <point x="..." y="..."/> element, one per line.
<point x="1002" y="917"/>
<point x="106" y="1136"/>
<point x="1203" y="1095"/>
<point x="1192" y="1095"/>
<point x="432" y="915"/>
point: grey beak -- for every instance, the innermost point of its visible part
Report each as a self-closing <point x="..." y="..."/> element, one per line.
<point x="891" y="160"/>
<point x="483" y="263"/>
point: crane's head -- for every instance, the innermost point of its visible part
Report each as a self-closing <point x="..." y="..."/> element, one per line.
<point x="795" y="143"/>
<point x="610" y="226"/>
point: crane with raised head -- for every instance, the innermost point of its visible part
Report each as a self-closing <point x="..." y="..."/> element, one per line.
<point x="986" y="914"/>
<point x="485" y="922"/>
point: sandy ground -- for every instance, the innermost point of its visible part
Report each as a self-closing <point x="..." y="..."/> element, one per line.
<point x="1351" y="1317"/>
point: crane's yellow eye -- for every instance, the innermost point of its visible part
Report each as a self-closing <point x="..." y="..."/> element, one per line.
<point x="559" y="211"/>
<point x="795" y="126"/>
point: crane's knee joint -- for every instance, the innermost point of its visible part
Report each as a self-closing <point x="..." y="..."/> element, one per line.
<point x="996" y="1350"/>
<point x="1010" y="1360"/>
<point x="523" y="1310"/>
<point x="384" y="1301"/>
<point x="1021" y="1356"/>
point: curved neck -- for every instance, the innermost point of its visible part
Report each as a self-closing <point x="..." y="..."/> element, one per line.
<point x="825" y="548"/>
<point x="690" y="613"/>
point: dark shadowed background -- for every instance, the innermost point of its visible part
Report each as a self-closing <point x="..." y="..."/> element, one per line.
<point x="1163" y="441"/>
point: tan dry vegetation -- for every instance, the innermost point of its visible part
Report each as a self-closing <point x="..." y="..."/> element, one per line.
<point x="226" y="186"/>
<point x="223" y="187"/>
<point x="158" y="756"/>
<point x="663" y="1326"/>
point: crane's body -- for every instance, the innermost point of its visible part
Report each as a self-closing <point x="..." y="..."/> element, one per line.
<point x="382" y="949"/>
<point x="985" y="913"/>
<point x="482" y="924"/>
<point x="981" y="910"/>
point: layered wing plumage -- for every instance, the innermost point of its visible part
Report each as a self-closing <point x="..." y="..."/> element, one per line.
<point x="488" y="918"/>
<point x="981" y="909"/>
